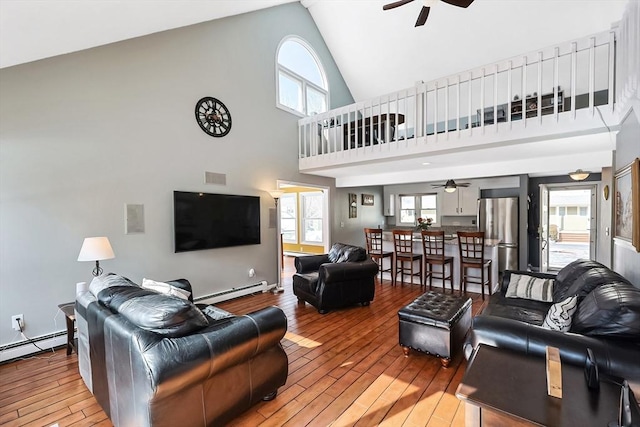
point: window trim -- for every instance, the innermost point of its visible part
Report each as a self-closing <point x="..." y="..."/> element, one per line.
<point x="305" y="83"/>
<point x="303" y="218"/>
<point x="296" y="218"/>
<point x="418" y="207"/>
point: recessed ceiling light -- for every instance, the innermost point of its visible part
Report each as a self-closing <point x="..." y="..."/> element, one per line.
<point x="426" y="163"/>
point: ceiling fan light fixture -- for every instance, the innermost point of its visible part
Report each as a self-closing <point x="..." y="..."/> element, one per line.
<point x="579" y="175"/>
<point x="450" y="189"/>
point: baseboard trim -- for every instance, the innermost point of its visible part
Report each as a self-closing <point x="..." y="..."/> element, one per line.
<point x="26" y="348"/>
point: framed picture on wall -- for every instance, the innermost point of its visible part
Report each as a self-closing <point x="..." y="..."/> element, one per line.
<point x="367" y="199"/>
<point x="627" y="204"/>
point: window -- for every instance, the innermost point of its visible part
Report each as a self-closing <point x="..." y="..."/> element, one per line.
<point x="414" y="206"/>
<point x="289" y="217"/>
<point x="301" y="84"/>
<point x="312" y="204"/>
<point x="584" y="211"/>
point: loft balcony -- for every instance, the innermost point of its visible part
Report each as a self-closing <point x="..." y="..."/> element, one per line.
<point x="530" y="113"/>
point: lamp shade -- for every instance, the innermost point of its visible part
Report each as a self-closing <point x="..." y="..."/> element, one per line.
<point x="95" y="249"/>
<point x="276" y="194"/>
<point x="579" y="175"/>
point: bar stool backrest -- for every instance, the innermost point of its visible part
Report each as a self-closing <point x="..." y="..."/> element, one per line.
<point x="373" y="236"/>
<point x="433" y="244"/>
<point x="471" y="244"/>
<point x="403" y="241"/>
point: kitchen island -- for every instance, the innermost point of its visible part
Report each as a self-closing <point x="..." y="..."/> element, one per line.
<point x="451" y="249"/>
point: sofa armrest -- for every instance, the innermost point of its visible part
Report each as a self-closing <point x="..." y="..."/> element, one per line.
<point x="307" y="264"/>
<point x="338" y="272"/>
<point x="175" y="364"/>
<point x="615" y="358"/>
<point x="506" y="277"/>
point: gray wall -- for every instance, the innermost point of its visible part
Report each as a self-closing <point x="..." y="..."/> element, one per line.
<point x="83" y="134"/>
<point x="625" y="258"/>
<point x="351" y="230"/>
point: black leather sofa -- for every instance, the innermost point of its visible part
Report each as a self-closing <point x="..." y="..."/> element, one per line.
<point x="151" y="359"/>
<point x="607" y="321"/>
<point x="343" y="277"/>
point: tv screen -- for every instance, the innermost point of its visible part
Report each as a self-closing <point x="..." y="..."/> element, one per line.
<point x="206" y="221"/>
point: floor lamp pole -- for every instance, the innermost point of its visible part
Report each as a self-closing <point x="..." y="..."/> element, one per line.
<point x="278" y="288"/>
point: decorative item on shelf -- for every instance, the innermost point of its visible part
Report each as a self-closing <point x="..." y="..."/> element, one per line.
<point x="424" y="223"/>
<point x="579" y="175"/>
<point x="353" y="205"/>
<point x="96" y="249"/>
<point x="605" y="192"/>
<point x="367" y="199"/>
<point x="516" y="97"/>
<point x="276" y="194"/>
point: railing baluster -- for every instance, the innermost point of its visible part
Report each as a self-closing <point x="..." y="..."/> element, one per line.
<point x="539" y="97"/>
<point x="482" y="100"/>
<point x="495" y="98"/>
<point x="556" y="53"/>
<point x="509" y="93"/>
<point x="592" y="74"/>
<point x="610" y="67"/>
<point x="458" y="105"/>
<point x="470" y="104"/>
<point x="573" y="79"/>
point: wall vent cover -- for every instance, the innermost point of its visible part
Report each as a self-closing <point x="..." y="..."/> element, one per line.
<point x="215" y="178"/>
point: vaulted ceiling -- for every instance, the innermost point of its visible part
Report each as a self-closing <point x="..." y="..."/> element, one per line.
<point x="376" y="51"/>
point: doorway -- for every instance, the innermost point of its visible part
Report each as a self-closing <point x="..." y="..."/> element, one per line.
<point x="567" y="224"/>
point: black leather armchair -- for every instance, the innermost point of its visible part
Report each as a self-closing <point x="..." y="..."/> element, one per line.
<point x="343" y="277"/>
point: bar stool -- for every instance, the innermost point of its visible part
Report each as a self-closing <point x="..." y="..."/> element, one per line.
<point x="373" y="236"/>
<point x="403" y="253"/>
<point x="433" y="249"/>
<point x="471" y="245"/>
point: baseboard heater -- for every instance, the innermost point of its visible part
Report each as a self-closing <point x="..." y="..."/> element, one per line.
<point x="232" y="293"/>
<point x="26" y="348"/>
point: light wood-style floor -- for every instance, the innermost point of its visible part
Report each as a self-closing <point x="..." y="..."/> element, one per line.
<point x="345" y="369"/>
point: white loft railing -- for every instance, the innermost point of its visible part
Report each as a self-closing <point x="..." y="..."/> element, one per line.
<point x="536" y="89"/>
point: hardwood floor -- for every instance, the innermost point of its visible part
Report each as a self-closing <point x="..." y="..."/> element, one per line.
<point x="345" y="369"/>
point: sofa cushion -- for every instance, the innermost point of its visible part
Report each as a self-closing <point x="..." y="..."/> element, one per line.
<point x="520" y="309"/>
<point x="163" y="314"/>
<point x="568" y="274"/>
<point x="610" y="310"/>
<point x="588" y="281"/>
<point x="99" y="283"/>
<point x="165" y="288"/>
<point x="308" y="282"/>
<point x="560" y="315"/>
<point x="340" y="252"/>
<point x="530" y="287"/>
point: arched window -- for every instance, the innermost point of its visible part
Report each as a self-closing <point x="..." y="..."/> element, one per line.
<point x="301" y="83"/>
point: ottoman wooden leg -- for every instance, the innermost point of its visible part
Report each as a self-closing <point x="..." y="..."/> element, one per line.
<point x="406" y="350"/>
<point x="445" y="362"/>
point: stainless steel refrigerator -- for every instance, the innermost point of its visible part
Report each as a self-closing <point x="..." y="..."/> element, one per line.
<point x="498" y="218"/>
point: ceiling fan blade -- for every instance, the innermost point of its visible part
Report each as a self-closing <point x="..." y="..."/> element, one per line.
<point x="395" y="4"/>
<point x="422" y="18"/>
<point x="459" y="3"/>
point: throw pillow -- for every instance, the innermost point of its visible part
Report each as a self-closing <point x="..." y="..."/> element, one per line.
<point x="560" y="315"/>
<point x="165" y="288"/>
<point x="530" y="287"/>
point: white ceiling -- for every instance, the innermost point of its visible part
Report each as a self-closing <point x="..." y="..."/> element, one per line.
<point x="376" y="51"/>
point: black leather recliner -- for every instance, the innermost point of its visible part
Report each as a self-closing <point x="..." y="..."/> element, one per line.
<point x="607" y="321"/>
<point x="343" y="277"/>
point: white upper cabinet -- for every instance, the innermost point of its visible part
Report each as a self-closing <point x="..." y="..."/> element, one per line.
<point x="463" y="201"/>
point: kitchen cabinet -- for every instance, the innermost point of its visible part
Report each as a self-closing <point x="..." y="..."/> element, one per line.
<point x="463" y="201"/>
<point x="389" y="208"/>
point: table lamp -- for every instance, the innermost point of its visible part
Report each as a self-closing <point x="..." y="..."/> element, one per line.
<point x="96" y="249"/>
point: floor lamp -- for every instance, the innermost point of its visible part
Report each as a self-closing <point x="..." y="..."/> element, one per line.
<point x="276" y="194"/>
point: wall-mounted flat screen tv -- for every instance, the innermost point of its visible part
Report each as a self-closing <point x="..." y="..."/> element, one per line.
<point x="206" y="221"/>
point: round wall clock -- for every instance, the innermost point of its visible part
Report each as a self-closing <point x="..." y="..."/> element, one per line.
<point x="213" y="117"/>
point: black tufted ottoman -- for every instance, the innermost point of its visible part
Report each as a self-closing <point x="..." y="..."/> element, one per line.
<point x="435" y="323"/>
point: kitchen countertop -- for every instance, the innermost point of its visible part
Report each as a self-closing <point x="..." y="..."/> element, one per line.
<point x="448" y="239"/>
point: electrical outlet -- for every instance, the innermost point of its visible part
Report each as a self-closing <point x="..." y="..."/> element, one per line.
<point x="252" y="272"/>
<point x="16" y="320"/>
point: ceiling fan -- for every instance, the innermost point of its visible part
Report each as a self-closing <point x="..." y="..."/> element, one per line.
<point x="427" y="4"/>
<point x="450" y="186"/>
